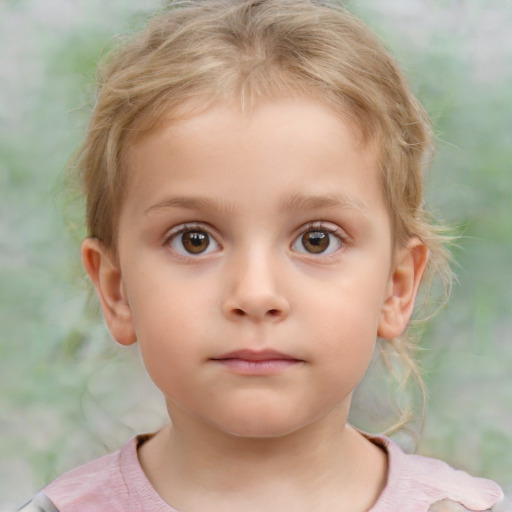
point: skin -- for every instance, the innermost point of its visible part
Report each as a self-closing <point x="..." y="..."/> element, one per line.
<point x="257" y="187"/>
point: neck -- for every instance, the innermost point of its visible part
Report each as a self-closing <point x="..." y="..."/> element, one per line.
<point x="321" y="463"/>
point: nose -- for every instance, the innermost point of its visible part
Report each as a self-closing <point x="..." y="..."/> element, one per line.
<point x="253" y="291"/>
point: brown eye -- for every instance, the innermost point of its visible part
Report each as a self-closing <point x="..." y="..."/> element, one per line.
<point x="316" y="242"/>
<point x="192" y="241"/>
<point x="195" y="242"/>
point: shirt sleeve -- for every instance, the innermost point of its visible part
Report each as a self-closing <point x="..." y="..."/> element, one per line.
<point x="453" y="506"/>
<point x="40" y="503"/>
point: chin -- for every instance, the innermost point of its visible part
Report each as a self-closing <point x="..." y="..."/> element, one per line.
<point x="263" y="426"/>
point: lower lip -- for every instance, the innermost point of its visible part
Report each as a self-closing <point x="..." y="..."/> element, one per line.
<point x="251" y="367"/>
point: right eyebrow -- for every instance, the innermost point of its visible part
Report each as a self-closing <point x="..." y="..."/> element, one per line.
<point x="190" y="203"/>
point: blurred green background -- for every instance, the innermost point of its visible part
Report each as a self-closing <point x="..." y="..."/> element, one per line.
<point x="69" y="394"/>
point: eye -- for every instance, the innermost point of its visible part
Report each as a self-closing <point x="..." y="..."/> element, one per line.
<point x="193" y="241"/>
<point x="318" y="241"/>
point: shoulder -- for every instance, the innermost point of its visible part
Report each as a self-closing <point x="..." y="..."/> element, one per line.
<point x="97" y="485"/>
<point x="40" y="503"/>
<point x="428" y="484"/>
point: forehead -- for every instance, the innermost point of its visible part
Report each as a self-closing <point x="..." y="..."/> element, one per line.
<point x="285" y="145"/>
<point x="306" y="119"/>
<point x="205" y="105"/>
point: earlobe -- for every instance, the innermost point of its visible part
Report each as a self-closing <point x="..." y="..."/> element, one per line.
<point x="105" y="274"/>
<point x="404" y="283"/>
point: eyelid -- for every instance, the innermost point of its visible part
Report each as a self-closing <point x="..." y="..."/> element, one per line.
<point x="330" y="227"/>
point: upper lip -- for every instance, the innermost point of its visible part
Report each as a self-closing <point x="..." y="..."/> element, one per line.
<point x="255" y="355"/>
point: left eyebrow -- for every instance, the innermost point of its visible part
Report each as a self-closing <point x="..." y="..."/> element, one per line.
<point x="301" y="201"/>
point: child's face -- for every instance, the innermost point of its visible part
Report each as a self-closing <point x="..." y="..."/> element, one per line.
<point x="255" y="266"/>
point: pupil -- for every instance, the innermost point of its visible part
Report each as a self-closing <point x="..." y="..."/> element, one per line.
<point x="315" y="241"/>
<point x="195" y="242"/>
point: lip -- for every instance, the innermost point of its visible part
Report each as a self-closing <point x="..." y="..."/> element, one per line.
<point x="255" y="355"/>
<point x="256" y="362"/>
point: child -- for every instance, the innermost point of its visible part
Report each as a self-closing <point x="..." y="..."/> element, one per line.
<point x="253" y="175"/>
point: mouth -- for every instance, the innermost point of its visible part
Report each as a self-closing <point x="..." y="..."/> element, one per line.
<point x="256" y="362"/>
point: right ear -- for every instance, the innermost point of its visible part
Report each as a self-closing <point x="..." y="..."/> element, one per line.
<point x="105" y="273"/>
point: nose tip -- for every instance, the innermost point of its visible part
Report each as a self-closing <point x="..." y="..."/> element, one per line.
<point x="255" y="296"/>
<point x="254" y="286"/>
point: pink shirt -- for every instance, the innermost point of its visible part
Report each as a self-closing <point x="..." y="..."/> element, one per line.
<point x="117" y="483"/>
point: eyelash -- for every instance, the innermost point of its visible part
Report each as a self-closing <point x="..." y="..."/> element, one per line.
<point x="323" y="226"/>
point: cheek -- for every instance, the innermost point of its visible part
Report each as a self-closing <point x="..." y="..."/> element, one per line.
<point x="349" y="311"/>
<point x="165" y="319"/>
<point x="347" y="352"/>
<point x="345" y="324"/>
<point x="163" y="302"/>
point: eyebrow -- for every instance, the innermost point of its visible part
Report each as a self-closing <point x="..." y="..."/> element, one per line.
<point x="190" y="203"/>
<point x="301" y="201"/>
<point x="296" y="202"/>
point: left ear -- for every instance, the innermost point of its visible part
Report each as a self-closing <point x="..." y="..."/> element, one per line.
<point x="404" y="282"/>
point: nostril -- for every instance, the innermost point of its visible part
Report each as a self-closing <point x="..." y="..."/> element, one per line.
<point x="273" y="312"/>
<point x="239" y="312"/>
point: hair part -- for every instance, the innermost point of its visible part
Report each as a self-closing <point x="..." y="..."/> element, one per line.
<point x="197" y="53"/>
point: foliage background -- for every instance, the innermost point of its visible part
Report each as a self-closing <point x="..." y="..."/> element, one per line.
<point x="69" y="394"/>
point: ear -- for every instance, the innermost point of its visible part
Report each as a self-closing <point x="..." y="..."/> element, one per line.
<point x="410" y="264"/>
<point x="105" y="273"/>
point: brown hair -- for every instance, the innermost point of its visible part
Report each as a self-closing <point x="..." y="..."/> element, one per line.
<point x="254" y="50"/>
